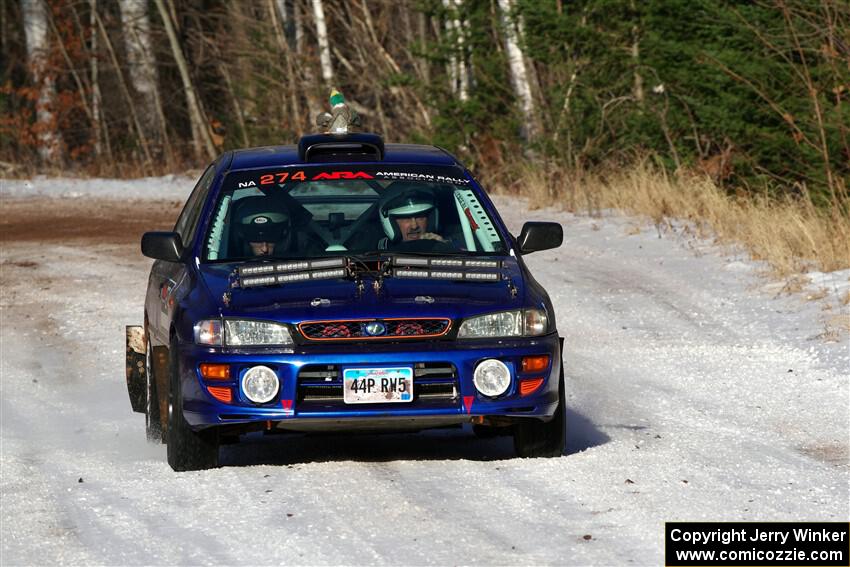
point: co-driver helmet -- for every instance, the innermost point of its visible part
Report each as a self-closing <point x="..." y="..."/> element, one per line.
<point x="259" y="220"/>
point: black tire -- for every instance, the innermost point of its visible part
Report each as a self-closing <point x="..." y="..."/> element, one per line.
<point x="188" y="450"/>
<point x="153" y="421"/>
<point x="534" y="438"/>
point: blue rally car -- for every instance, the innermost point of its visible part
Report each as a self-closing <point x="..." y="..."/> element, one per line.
<point x="344" y="285"/>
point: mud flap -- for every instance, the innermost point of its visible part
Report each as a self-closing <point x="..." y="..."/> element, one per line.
<point x="136" y="379"/>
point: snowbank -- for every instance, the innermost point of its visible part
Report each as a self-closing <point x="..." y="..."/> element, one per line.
<point x="166" y="187"/>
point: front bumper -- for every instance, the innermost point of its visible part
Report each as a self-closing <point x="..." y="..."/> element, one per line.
<point x="443" y="389"/>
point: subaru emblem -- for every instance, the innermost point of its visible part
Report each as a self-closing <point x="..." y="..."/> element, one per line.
<point x="375" y="329"/>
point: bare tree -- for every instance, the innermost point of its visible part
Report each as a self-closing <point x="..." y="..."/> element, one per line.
<point x="286" y="55"/>
<point x="131" y="105"/>
<point x="142" y="66"/>
<point x="201" y="138"/>
<point x="519" y="73"/>
<point x="324" y="46"/>
<point x="35" y="29"/>
<point x="97" y="123"/>
<point x="635" y="54"/>
<point x="458" y="74"/>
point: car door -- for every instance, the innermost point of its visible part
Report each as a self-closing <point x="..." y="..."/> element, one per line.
<point x="166" y="276"/>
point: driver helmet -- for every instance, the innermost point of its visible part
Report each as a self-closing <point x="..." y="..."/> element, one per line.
<point x="405" y="200"/>
<point x="258" y="219"/>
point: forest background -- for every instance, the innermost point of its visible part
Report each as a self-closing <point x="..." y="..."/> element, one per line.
<point x="731" y="114"/>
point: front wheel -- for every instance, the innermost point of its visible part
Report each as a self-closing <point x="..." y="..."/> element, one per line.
<point x="188" y="450"/>
<point x="533" y="438"/>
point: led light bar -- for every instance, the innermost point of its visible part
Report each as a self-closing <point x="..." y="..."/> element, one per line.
<point x="414" y="262"/>
<point x="257" y="275"/>
<point x="410" y="273"/>
<point x="327" y="274"/>
<point x="257" y="281"/>
<point x="288" y="278"/>
<point x="296" y="266"/>
<point x="482" y="276"/>
<point x="444" y="275"/>
<point x="448" y="275"/>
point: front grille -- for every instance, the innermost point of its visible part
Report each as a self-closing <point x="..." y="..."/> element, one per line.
<point x="374" y="329"/>
<point x="434" y="384"/>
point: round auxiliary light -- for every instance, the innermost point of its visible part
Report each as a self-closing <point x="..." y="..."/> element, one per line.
<point x="260" y="384"/>
<point x="492" y="377"/>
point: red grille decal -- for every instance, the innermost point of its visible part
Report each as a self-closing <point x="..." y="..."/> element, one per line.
<point x="356" y="329"/>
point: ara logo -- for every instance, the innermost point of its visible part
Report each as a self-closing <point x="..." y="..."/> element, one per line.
<point x="342" y="175"/>
<point x="375" y="329"/>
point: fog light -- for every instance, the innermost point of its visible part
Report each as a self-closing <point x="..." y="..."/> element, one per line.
<point x="492" y="378"/>
<point x="260" y="384"/>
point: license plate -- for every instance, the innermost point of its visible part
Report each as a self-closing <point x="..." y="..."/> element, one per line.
<point x="377" y="385"/>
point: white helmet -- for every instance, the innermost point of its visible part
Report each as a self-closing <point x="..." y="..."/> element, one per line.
<point x="406" y="201"/>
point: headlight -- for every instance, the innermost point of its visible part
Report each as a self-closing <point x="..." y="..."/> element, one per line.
<point x="239" y="332"/>
<point x="519" y="323"/>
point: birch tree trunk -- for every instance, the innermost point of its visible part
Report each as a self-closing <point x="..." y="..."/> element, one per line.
<point x="298" y="25"/>
<point x="95" y="86"/>
<point x="286" y="53"/>
<point x="35" y="29"/>
<point x="324" y="46"/>
<point x="287" y="21"/>
<point x="457" y="65"/>
<point x="100" y="132"/>
<point x="201" y="139"/>
<point x="635" y="54"/>
<point x="422" y="33"/>
<point x="519" y="73"/>
<point x="305" y="70"/>
<point x="137" y="42"/>
<point x="131" y="105"/>
<point x="463" y="71"/>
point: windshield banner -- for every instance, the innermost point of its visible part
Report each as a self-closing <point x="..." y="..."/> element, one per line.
<point x="365" y="172"/>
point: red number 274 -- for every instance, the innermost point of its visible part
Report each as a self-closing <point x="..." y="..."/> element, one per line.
<point x="282" y="176"/>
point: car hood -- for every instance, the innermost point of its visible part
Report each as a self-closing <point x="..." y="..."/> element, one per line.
<point x="340" y="299"/>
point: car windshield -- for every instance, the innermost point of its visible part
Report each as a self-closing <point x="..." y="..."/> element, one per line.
<point x="316" y="212"/>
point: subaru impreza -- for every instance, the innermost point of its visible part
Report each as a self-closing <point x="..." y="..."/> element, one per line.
<point x="344" y="284"/>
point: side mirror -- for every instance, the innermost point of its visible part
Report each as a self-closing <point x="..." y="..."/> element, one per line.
<point x="166" y="246"/>
<point x="540" y="236"/>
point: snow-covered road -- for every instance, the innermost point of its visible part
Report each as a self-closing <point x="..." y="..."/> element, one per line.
<point x="695" y="392"/>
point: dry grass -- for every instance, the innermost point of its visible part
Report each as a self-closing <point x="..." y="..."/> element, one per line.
<point x="790" y="236"/>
